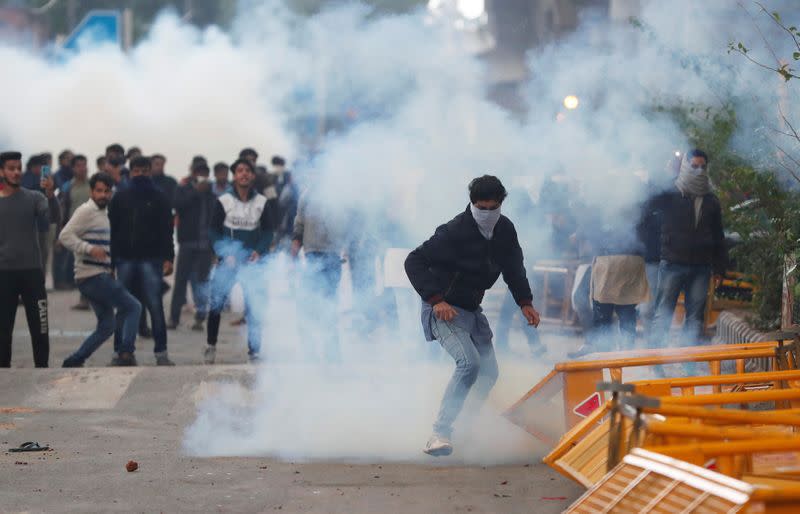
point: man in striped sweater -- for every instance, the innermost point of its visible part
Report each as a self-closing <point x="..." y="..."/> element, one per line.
<point x="88" y="236"/>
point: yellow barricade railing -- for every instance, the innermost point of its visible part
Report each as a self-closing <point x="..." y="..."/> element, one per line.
<point x="570" y="388"/>
<point x="597" y="444"/>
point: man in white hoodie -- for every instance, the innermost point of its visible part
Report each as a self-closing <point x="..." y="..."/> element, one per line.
<point x="88" y="236"/>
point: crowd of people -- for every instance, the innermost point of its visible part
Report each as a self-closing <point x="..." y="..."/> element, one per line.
<point x="112" y="237"/>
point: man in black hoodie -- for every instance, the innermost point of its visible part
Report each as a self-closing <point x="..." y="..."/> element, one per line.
<point x="141" y="245"/>
<point x="451" y="271"/>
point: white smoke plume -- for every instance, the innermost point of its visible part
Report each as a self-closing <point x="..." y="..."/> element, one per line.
<point x="423" y="128"/>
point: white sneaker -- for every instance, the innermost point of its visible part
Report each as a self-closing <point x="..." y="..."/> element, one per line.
<point x="210" y="354"/>
<point x="438" y="446"/>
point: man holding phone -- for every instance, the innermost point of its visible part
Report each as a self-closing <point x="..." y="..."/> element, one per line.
<point x="38" y="177"/>
<point x="25" y="215"/>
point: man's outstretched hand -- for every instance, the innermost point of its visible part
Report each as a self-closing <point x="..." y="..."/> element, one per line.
<point x="444" y="311"/>
<point x="531" y="315"/>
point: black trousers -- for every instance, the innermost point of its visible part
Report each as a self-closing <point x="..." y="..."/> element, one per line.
<point x="29" y="284"/>
<point x="193" y="266"/>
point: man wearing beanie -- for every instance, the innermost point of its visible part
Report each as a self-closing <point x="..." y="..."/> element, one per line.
<point x="25" y="215"/>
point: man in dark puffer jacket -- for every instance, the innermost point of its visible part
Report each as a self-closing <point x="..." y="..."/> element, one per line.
<point x="451" y="271"/>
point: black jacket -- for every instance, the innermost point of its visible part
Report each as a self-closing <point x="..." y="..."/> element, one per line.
<point x="194" y="210"/>
<point x="681" y="241"/>
<point x="141" y="223"/>
<point x="166" y="185"/>
<point x="458" y="264"/>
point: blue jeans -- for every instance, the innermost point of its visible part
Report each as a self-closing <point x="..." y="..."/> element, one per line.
<point x="321" y="279"/>
<point x="508" y="311"/>
<point x="468" y="339"/>
<point x="693" y="281"/>
<point x="223" y="278"/>
<point x="647" y="310"/>
<point x="604" y="337"/>
<point x="147" y="275"/>
<point x="106" y="294"/>
<point x="323" y="273"/>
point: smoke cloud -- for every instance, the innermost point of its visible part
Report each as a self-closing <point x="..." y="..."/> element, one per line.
<point x="415" y="127"/>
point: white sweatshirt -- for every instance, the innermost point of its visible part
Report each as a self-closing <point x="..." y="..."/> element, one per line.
<point x="88" y="228"/>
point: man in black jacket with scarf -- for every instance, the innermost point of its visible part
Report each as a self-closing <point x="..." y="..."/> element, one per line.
<point x="451" y="271"/>
<point x="141" y="246"/>
<point x="692" y="248"/>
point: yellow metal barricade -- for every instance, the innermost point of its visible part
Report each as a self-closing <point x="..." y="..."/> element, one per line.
<point x="569" y="390"/>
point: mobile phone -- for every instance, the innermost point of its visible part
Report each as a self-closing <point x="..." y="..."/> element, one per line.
<point x="45" y="171"/>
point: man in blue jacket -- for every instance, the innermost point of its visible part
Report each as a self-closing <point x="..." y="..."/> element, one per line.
<point x="451" y="271"/>
<point x="241" y="232"/>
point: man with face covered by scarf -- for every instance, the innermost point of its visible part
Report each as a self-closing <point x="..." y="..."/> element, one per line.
<point x="692" y="249"/>
<point x="451" y="271"/>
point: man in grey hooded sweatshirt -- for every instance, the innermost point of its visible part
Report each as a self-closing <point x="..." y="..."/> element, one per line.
<point x="692" y="248"/>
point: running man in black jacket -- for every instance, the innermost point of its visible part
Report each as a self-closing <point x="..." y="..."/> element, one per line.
<point x="142" y="250"/>
<point x="451" y="271"/>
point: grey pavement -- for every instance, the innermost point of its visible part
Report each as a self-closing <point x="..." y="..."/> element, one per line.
<point x="97" y="419"/>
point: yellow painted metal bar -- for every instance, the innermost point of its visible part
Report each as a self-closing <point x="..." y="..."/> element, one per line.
<point x="654" y="360"/>
<point x="769" y="494"/>
<point x="733" y="378"/>
<point x="771" y="395"/>
<point x="708" y="432"/>
<point x="775" y="417"/>
<point x="763" y="445"/>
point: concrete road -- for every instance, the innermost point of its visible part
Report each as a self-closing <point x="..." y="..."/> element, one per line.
<point x="97" y="419"/>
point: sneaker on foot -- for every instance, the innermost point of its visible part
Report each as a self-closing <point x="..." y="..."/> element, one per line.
<point x="210" y="355"/>
<point x="72" y="362"/>
<point x="580" y="352"/>
<point x="254" y="358"/>
<point x="124" y="359"/>
<point x="162" y="359"/>
<point x="81" y="306"/>
<point x="198" y="326"/>
<point x="238" y="322"/>
<point x="438" y="446"/>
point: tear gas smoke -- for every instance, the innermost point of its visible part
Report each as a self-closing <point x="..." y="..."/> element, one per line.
<point x="419" y="128"/>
